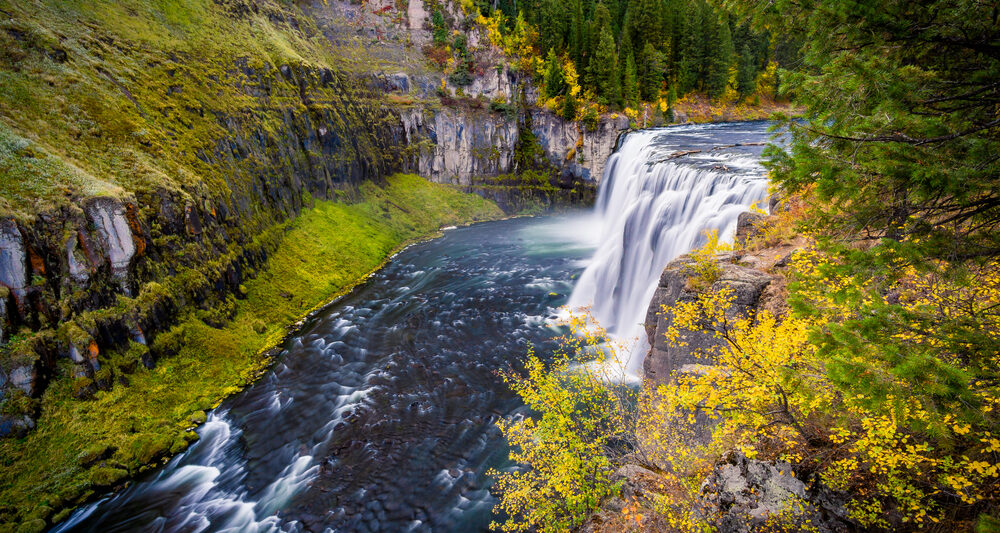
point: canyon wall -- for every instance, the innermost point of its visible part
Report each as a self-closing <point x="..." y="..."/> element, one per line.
<point x="153" y="191"/>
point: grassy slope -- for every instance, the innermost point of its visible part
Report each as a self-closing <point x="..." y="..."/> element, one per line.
<point x="323" y="252"/>
<point x="106" y="96"/>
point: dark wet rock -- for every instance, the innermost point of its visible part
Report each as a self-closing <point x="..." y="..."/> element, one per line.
<point x="15" y="426"/>
<point x="748" y="226"/>
<point x="776" y="203"/>
<point x="675" y="286"/>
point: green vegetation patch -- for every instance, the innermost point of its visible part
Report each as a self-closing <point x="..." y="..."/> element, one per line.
<point x="82" y="446"/>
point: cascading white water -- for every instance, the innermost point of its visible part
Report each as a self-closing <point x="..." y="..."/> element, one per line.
<point x="653" y="209"/>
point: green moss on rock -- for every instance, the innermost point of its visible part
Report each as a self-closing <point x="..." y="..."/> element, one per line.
<point x="94" y="453"/>
<point x="198" y="417"/>
<point x="322" y="253"/>
<point x="107" y="476"/>
<point x="36" y="525"/>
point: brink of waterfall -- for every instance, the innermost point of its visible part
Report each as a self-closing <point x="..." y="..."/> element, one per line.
<point x="662" y="191"/>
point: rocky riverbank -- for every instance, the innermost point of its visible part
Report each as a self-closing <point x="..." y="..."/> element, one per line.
<point x="166" y="180"/>
<point x="739" y="494"/>
<point x="96" y="431"/>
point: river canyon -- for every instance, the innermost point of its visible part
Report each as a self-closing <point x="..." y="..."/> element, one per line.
<point x="379" y="414"/>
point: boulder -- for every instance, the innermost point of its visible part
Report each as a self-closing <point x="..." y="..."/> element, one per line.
<point x="663" y="357"/>
<point x="776" y="203"/>
<point x="15" y="426"/>
<point x="399" y="82"/>
<point x="744" y="495"/>
<point x="748" y="226"/>
<point x="24" y="378"/>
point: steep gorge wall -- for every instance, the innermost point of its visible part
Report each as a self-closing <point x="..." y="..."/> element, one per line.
<point x="101" y="272"/>
<point x="172" y="198"/>
<point x="471" y="137"/>
<point x="133" y="194"/>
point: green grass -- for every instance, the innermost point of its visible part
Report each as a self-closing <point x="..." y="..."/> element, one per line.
<point x="322" y="253"/>
<point x="121" y="97"/>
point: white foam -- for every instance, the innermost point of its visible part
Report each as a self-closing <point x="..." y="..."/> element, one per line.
<point x="652" y="211"/>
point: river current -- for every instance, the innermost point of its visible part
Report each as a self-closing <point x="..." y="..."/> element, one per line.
<point x="380" y="413"/>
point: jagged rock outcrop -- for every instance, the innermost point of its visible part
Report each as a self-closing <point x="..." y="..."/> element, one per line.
<point x="572" y="147"/>
<point x="13" y="262"/>
<point x="460" y="145"/>
<point x="456" y="145"/>
<point x="675" y="285"/>
<point x="493" y="84"/>
<point x="744" y="495"/>
<point x="747" y="226"/>
<point x="108" y="216"/>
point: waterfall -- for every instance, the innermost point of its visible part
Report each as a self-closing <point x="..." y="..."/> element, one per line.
<point x="654" y="206"/>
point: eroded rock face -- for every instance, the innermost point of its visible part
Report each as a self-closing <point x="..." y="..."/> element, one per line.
<point x="493" y="84"/>
<point x="108" y="216"/>
<point x="24" y="378"/>
<point x="743" y="495"/>
<point x="580" y="152"/>
<point x="3" y="318"/>
<point x="456" y="146"/>
<point x="13" y="260"/>
<point x="747" y="283"/>
<point x="461" y="145"/>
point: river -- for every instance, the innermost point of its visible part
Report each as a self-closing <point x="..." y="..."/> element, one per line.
<point x="379" y="414"/>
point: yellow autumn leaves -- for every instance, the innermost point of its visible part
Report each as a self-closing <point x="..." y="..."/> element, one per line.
<point x="905" y="427"/>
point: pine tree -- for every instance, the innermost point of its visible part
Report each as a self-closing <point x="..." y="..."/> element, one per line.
<point x="569" y="106"/>
<point x="604" y="70"/>
<point x="630" y="83"/>
<point x="653" y="73"/>
<point x="440" y="29"/>
<point x="576" y="32"/>
<point x="646" y="22"/>
<point x="599" y="24"/>
<point x="720" y="59"/>
<point x="550" y="19"/>
<point x="690" y="49"/>
<point x="555" y="80"/>
<point x="746" y="73"/>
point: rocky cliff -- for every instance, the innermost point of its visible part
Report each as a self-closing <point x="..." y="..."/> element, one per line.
<point x="472" y="137"/>
<point x="132" y="194"/>
<point x="675" y="285"/>
<point x="94" y="273"/>
<point x="739" y="494"/>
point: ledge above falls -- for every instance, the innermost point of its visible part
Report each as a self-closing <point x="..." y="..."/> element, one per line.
<point x="748" y="285"/>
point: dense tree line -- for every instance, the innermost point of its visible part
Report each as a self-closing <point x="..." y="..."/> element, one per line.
<point x="627" y="51"/>
<point x="881" y="380"/>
